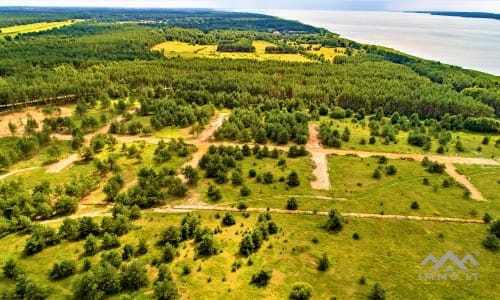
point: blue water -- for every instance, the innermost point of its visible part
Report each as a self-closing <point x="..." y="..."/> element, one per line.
<point x="466" y="42"/>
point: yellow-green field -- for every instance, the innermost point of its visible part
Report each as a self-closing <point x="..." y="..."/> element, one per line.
<point x="35" y="27"/>
<point x="174" y="49"/>
<point x="327" y="52"/>
<point x="388" y="251"/>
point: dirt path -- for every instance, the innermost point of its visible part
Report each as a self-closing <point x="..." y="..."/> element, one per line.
<point x="474" y="193"/>
<point x="322" y="180"/>
<point x="313" y="142"/>
<point x="63" y="163"/>
<point x="17" y="171"/>
<point x="207" y="133"/>
<point x="184" y="208"/>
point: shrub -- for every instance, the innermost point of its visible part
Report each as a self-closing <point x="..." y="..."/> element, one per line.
<point x="492" y="243"/>
<point x="268" y="178"/>
<point x="293" y="179"/>
<point x="245" y="191"/>
<point x="63" y="269"/>
<point x="214" y="193"/>
<point x="228" y="219"/>
<point x="487" y="218"/>
<point x="252" y="173"/>
<point x="246" y="245"/>
<point x="11" y="269"/>
<point x="415" y="205"/>
<point x="377" y="174"/>
<point x="166" y="290"/>
<point x="335" y="221"/>
<point x="142" y="248"/>
<point x="292" y="204"/>
<point x="378" y="292"/>
<point x="90" y="245"/>
<point x="495" y="228"/>
<point x="134" y="276"/>
<point x="355" y="236"/>
<point x="207" y="246"/>
<point x="391" y="170"/>
<point x="323" y="263"/>
<point x="261" y="278"/>
<point x="301" y="291"/>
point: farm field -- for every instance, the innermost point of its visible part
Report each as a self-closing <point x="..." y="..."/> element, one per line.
<point x="35" y="27"/>
<point x="186" y="50"/>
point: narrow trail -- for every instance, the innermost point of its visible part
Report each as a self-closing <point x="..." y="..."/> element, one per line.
<point x="474" y="193"/>
<point x="17" y="171"/>
<point x="322" y="179"/>
<point x="186" y="208"/>
<point x="62" y="164"/>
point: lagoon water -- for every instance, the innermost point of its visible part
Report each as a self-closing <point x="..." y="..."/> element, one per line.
<point x="466" y="42"/>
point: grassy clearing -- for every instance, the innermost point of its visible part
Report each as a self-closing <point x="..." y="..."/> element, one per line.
<point x="388" y="251"/>
<point x="35" y="27"/>
<point x="174" y="49"/>
<point x="264" y="195"/>
<point x="351" y="178"/>
<point x="485" y="178"/>
<point x="471" y="141"/>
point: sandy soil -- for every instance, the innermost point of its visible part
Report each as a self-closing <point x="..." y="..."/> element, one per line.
<point x="474" y="193"/>
<point x="19" y="118"/>
<point x="322" y="181"/>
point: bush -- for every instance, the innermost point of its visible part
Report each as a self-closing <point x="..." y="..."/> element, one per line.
<point x="207" y="246"/>
<point x="487" y="218"/>
<point x="323" y="263"/>
<point x="214" y="193"/>
<point x="228" y="219"/>
<point x="391" y="170"/>
<point x="246" y="245"/>
<point x="301" y="291"/>
<point x="378" y="292"/>
<point x="492" y="243"/>
<point x="166" y="290"/>
<point x="168" y="253"/>
<point x="90" y="245"/>
<point x="377" y="174"/>
<point x="495" y="228"/>
<point x="252" y="173"/>
<point x="63" y="269"/>
<point x="171" y="235"/>
<point x="292" y="204"/>
<point x="415" y="205"/>
<point x="261" y="278"/>
<point x="335" y="221"/>
<point x="293" y="179"/>
<point x="11" y="269"/>
<point x="134" y="276"/>
<point x="355" y="236"/>
<point x="245" y="191"/>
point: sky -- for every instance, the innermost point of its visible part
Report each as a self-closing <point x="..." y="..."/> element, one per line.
<point x="390" y="5"/>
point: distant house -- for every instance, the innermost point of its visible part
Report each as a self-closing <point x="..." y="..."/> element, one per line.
<point x="276" y="32"/>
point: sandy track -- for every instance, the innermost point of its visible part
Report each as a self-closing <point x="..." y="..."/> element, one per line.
<point x="63" y="163"/>
<point x="16" y="171"/>
<point x="474" y="193"/>
<point x="322" y="180"/>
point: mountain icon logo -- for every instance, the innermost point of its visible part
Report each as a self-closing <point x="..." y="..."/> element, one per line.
<point x="451" y="258"/>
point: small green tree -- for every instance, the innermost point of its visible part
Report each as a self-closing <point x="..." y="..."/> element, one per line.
<point x="378" y="292"/>
<point x="90" y="246"/>
<point x="261" y="278"/>
<point x="293" y="179"/>
<point x="301" y="291"/>
<point x="335" y="221"/>
<point x="168" y="253"/>
<point x="228" y="219"/>
<point x="11" y="269"/>
<point x="492" y="243"/>
<point x="292" y="204"/>
<point x="246" y="245"/>
<point x="324" y="263"/>
<point x="63" y="269"/>
<point x="134" y="276"/>
<point x="166" y="290"/>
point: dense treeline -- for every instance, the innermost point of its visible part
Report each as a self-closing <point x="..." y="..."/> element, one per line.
<point x="95" y="61"/>
<point x="243" y="45"/>
<point x="203" y="19"/>
<point x="281" y="49"/>
<point x="263" y="124"/>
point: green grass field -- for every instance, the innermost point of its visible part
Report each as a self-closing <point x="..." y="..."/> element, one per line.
<point x="174" y="49"/>
<point x="388" y="252"/>
<point x="470" y="140"/>
<point x="485" y="178"/>
<point x="35" y="27"/>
